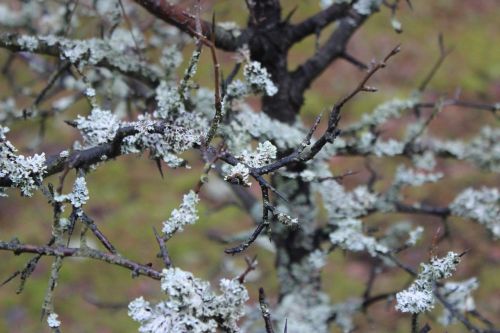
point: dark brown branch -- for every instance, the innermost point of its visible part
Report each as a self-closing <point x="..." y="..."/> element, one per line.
<point x="264" y="13"/>
<point x="251" y="266"/>
<point x="264" y="309"/>
<point x="84" y="158"/>
<point x="493" y="108"/>
<point x="377" y="298"/>
<point x="333" y="48"/>
<point x="351" y="59"/>
<point x="443" y="53"/>
<point x="263" y="225"/>
<point x="163" y="249"/>
<point x="317" y="22"/>
<point x="95" y="230"/>
<point x="441" y="212"/>
<point x="455" y="313"/>
<point x="178" y="17"/>
<point x="26" y="271"/>
<point x="61" y="251"/>
<point x="332" y="130"/>
<point x="459" y="316"/>
<point x="53" y="78"/>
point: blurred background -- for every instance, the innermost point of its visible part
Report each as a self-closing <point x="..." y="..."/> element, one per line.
<point x="128" y="196"/>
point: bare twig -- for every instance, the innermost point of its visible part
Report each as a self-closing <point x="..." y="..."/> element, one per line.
<point x="17" y="248"/>
<point x="264" y="309"/>
<point x="251" y="266"/>
<point x="163" y="249"/>
<point x="443" y="53"/>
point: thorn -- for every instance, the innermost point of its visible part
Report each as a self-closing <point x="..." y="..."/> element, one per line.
<point x="71" y="123"/>
<point x="158" y="165"/>
<point x="290" y="14"/>
<point x="464" y="253"/>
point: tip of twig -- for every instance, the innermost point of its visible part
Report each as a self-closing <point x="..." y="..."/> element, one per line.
<point x="158" y="166"/>
<point x="71" y="123"/>
<point x="395" y="50"/>
<point x="464" y="253"/>
<point x="290" y="14"/>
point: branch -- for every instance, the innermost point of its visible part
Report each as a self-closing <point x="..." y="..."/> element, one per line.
<point x="186" y="22"/>
<point x="317" y="22"/>
<point x="332" y="131"/>
<point x="264" y="308"/>
<point x="460" y="317"/>
<point x="83" y="158"/>
<point x="443" y="53"/>
<point x="62" y="251"/>
<point x="333" y="48"/>
<point x="264" y="13"/>
<point x="54" y="46"/>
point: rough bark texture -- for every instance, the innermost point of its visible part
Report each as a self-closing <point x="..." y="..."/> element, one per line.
<point x="270" y="40"/>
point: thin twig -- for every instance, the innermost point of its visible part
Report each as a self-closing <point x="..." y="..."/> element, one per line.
<point x="163" y="249"/>
<point x="264" y="309"/>
<point x="443" y="53"/>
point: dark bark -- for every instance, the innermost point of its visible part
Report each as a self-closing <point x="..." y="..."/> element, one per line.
<point x="177" y="16"/>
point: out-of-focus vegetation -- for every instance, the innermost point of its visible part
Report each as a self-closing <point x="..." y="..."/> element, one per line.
<point x="129" y="197"/>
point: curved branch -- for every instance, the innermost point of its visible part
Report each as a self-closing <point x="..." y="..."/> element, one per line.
<point x="84" y="158"/>
<point x="178" y="17"/>
<point x="128" y="65"/>
<point x="62" y="251"/>
<point x="317" y="22"/>
<point x="333" y="48"/>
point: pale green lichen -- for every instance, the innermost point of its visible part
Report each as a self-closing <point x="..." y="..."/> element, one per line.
<point x="191" y="306"/>
<point x="187" y="213"/>
<point x="419" y="297"/>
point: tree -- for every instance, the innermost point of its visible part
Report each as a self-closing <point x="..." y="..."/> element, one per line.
<point x="138" y="104"/>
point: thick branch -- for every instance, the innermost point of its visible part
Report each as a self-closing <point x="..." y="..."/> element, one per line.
<point x="186" y="22"/>
<point x="333" y="48"/>
<point x="318" y="21"/>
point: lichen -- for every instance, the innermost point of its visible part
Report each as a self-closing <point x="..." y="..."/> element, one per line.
<point x="53" y="321"/>
<point x="349" y="236"/>
<point x="191" y="306"/>
<point x="341" y="204"/>
<point x="419" y="297"/>
<point x="99" y="127"/>
<point x="481" y="205"/>
<point x="459" y="296"/>
<point x="366" y="7"/>
<point x="78" y="196"/>
<point x="186" y="214"/>
<point x="25" y="172"/>
<point x="259" y="79"/>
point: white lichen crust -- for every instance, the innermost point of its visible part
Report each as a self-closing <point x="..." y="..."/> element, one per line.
<point x="53" y="321"/>
<point x="187" y="213"/>
<point x="25" y="172"/>
<point x="419" y="297"/>
<point x="482" y="206"/>
<point x="459" y="296"/>
<point x="191" y="306"/>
